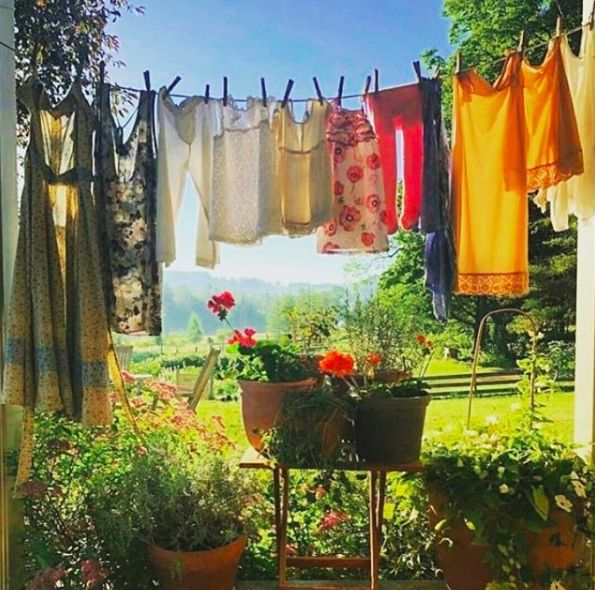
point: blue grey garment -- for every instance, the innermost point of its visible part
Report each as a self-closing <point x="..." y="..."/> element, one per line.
<point x="436" y="219"/>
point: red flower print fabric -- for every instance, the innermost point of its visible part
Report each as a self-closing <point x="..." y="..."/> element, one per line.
<point x="360" y="218"/>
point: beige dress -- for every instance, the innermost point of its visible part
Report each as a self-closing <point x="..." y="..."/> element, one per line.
<point x="304" y="168"/>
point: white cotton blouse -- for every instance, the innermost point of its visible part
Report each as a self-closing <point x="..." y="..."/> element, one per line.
<point x="245" y="204"/>
<point x="577" y="195"/>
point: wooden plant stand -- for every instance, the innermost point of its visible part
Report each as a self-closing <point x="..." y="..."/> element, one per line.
<point x="281" y="484"/>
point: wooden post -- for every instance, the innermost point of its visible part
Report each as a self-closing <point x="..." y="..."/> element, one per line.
<point x="10" y="513"/>
<point x="584" y="405"/>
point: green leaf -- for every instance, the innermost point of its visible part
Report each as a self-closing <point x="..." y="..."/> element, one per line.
<point x="540" y="502"/>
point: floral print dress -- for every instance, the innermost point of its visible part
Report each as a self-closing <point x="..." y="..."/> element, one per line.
<point x="359" y="224"/>
<point x="126" y="207"/>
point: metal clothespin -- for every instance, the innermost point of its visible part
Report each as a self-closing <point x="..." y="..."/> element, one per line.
<point x="417" y="69"/>
<point x="287" y="92"/>
<point x="340" y="91"/>
<point x="224" y="91"/>
<point x="147" y="77"/>
<point x="172" y="86"/>
<point x="376" y="83"/>
<point x="367" y="85"/>
<point x="207" y="93"/>
<point x="318" y="91"/>
<point x="263" y="92"/>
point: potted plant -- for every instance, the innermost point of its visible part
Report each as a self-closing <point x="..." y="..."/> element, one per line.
<point x="313" y="429"/>
<point x="510" y="506"/>
<point x="390" y="413"/>
<point x="266" y="371"/>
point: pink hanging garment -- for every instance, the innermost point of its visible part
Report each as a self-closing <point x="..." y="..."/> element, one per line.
<point x="399" y="109"/>
<point x="359" y="211"/>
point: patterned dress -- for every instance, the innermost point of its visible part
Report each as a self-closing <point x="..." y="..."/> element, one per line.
<point x="59" y="353"/>
<point x="360" y="219"/>
<point x="126" y="203"/>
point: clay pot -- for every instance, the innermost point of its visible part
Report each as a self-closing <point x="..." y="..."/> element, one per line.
<point x="388" y="431"/>
<point x="557" y="547"/>
<point x="215" y="569"/>
<point x="389" y="376"/>
<point x="261" y="404"/>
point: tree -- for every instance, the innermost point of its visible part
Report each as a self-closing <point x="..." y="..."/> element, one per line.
<point x="194" y="329"/>
<point x="62" y="39"/>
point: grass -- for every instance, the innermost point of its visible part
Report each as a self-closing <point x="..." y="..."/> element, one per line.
<point x="446" y="417"/>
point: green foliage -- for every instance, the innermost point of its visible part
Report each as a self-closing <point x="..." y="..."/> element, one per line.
<point x="183" y="361"/>
<point x="505" y="482"/>
<point x="562" y="357"/>
<point x="407" y="389"/>
<point x="194" y="329"/>
<point x="271" y="361"/>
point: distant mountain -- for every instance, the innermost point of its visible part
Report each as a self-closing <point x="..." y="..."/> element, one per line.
<point x="187" y="292"/>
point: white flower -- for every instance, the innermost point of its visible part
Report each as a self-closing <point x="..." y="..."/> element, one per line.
<point x="491" y="420"/>
<point x="557" y="585"/>
<point x="579" y="488"/>
<point x="504" y="489"/>
<point x="563" y="502"/>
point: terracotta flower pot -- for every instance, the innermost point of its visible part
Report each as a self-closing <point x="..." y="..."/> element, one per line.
<point x="557" y="547"/>
<point x="261" y="403"/>
<point x="215" y="569"/>
<point x="389" y="430"/>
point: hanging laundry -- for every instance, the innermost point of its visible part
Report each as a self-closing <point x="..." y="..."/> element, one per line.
<point x="490" y="208"/>
<point x="125" y="193"/>
<point x="399" y="109"/>
<point x="359" y="221"/>
<point x="59" y="355"/>
<point x="552" y="141"/>
<point x="577" y="195"/>
<point x="439" y="256"/>
<point x="245" y="204"/>
<point x="185" y="145"/>
<point x="304" y="168"/>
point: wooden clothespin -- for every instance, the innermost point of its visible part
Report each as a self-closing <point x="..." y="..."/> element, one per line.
<point x="522" y="42"/>
<point x="147" y="77"/>
<point x="376" y="83"/>
<point x="224" y="91"/>
<point x="437" y="71"/>
<point x="207" y="93"/>
<point x="318" y="91"/>
<point x="340" y="91"/>
<point x="367" y="85"/>
<point x="263" y="92"/>
<point x="592" y="16"/>
<point x="417" y="68"/>
<point x="558" y="26"/>
<point x="287" y="92"/>
<point x="172" y="86"/>
<point x="458" y="62"/>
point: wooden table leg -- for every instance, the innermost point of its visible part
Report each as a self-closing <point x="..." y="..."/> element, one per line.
<point x="277" y="498"/>
<point x="374" y="538"/>
<point x="282" y="537"/>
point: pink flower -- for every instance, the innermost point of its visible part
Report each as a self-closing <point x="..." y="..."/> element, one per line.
<point x="373" y="203"/>
<point x="367" y="239"/>
<point x="330" y="228"/>
<point x="332" y="519"/>
<point x="355" y="173"/>
<point x="128" y="377"/>
<point x="339" y="188"/>
<point x="373" y="161"/>
<point x="330" y="248"/>
<point x="348" y="217"/>
<point x="338" y="154"/>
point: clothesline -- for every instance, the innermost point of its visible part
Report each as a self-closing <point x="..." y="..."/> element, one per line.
<point x="359" y="94"/>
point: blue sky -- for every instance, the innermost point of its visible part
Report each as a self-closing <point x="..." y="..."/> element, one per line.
<point x="245" y="39"/>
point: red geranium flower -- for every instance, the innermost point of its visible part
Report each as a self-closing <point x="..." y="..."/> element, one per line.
<point x="367" y="239"/>
<point x="339" y="188"/>
<point x="373" y="202"/>
<point x="245" y="338"/>
<point x="421" y="339"/>
<point x="374" y="359"/>
<point x="336" y="364"/>
<point x="373" y="161"/>
<point x="355" y="173"/>
<point x="348" y="217"/>
<point x="332" y="519"/>
<point x="330" y="228"/>
<point x="221" y="304"/>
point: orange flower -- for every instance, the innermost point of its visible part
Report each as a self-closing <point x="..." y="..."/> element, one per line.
<point x="421" y="339"/>
<point x="336" y="364"/>
<point x="374" y="359"/>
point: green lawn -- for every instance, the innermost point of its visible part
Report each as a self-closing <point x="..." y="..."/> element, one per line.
<point x="445" y="416"/>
